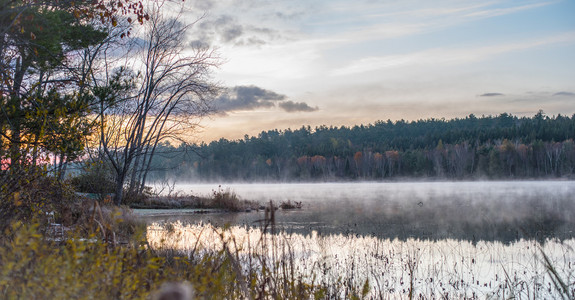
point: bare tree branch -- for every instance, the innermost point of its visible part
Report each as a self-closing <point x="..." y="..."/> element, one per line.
<point x="174" y="90"/>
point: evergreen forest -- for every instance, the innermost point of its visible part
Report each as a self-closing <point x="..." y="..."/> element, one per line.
<point x="487" y="147"/>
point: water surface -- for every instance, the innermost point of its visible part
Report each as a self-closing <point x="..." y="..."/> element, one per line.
<point x="448" y="240"/>
<point x="491" y="211"/>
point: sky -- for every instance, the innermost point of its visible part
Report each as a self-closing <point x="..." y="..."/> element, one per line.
<point x="292" y="63"/>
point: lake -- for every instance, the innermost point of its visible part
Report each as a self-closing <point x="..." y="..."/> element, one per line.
<point x="461" y="239"/>
<point x="492" y="211"/>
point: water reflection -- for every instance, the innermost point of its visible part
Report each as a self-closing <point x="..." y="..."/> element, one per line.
<point x="473" y="211"/>
<point x="447" y="240"/>
<point x="445" y="268"/>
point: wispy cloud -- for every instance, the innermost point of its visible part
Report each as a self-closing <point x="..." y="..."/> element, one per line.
<point x="494" y="12"/>
<point x="491" y="95"/>
<point x="437" y="9"/>
<point x="568" y="94"/>
<point x="386" y="20"/>
<point x="446" y="56"/>
<point x="290" y="106"/>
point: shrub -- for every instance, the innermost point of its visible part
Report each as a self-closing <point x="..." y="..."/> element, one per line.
<point x="95" y="178"/>
<point x="33" y="267"/>
<point x="38" y="197"/>
<point x="228" y="200"/>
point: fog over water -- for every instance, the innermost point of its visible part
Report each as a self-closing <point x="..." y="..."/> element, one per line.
<point x="448" y="240"/>
<point x="492" y="211"/>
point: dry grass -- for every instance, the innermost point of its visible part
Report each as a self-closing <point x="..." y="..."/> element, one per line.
<point x="291" y="205"/>
<point x="224" y="199"/>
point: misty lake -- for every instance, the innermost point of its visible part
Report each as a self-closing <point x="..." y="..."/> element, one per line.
<point x="455" y="239"/>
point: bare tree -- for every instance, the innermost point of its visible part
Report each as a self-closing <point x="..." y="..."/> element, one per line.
<point x="173" y="91"/>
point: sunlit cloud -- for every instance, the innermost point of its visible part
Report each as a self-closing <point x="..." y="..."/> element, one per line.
<point x="273" y="62"/>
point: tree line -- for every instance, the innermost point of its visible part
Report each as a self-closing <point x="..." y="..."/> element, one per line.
<point x="96" y="83"/>
<point x="489" y="147"/>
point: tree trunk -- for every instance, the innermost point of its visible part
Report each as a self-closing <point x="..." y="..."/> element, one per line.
<point x="119" y="195"/>
<point x="135" y="180"/>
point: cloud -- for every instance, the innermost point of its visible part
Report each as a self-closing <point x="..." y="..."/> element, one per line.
<point x="243" y="98"/>
<point x="569" y="94"/>
<point x="199" y="44"/>
<point x="222" y="21"/>
<point x="202" y="5"/>
<point x="289" y="16"/>
<point x="444" y="56"/>
<point x="232" y="33"/>
<point x="379" y="20"/>
<point x="247" y="98"/>
<point x="494" y="12"/>
<point x="224" y="28"/>
<point x="491" y="95"/>
<point x="290" y="106"/>
<point x="228" y="29"/>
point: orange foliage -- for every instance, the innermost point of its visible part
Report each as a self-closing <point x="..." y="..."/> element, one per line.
<point x="392" y="154"/>
<point x="318" y="160"/>
<point x="358" y="156"/>
<point x="507" y="146"/>
<point x="303" y="160"/>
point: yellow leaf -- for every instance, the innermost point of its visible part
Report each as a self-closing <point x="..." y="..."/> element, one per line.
<point x="17" y="201"/>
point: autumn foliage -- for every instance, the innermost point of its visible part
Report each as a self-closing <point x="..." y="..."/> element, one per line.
<point x="471" y="148"/>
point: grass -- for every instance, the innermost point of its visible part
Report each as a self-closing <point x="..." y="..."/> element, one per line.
<point x="224" y="199"/>
<point x="114" y="256"/>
